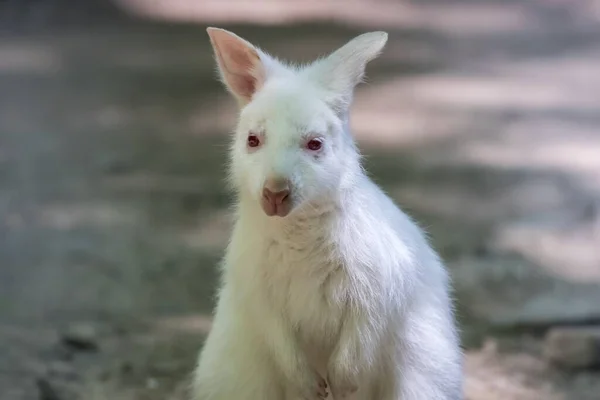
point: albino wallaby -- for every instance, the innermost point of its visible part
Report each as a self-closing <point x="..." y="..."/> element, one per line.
<point x="328" y="288"/>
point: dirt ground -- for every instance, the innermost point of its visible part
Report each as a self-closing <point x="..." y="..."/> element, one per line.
<point x="481" y="119"/>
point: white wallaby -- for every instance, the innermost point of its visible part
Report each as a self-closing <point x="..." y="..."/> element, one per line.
<point x="328" y="288"/>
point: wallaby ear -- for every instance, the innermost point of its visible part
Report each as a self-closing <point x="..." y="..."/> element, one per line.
<point x="343" y="69"/>
<point x="240" y="64"/>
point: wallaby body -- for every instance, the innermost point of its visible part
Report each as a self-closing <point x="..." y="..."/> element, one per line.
<point x="327" y="285"/>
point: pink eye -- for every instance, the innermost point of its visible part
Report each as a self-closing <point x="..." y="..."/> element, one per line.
<point x="253" y="141"/>
<point x="314" y="144"/>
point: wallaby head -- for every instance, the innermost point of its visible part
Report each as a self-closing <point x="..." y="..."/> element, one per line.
<point x="291" y="149"/>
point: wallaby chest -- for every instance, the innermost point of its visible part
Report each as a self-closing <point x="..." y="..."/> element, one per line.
<point x="306" y="284"/>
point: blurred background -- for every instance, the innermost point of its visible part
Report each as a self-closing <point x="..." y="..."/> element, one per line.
<point x="481" y="118"/>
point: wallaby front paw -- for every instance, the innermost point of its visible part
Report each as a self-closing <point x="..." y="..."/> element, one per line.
<point x="322" y="391"/>
<point x="314" y="388"/>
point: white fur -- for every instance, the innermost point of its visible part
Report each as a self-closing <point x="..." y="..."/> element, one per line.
<point x="346" y="286"/>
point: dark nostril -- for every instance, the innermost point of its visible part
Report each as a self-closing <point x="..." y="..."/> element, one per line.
<point x="282" y="196"/>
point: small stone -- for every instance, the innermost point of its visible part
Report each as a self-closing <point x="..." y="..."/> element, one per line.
<point x="573" y="347"/>
<point x="151" y="383"/>
<point x="81" y="336"/>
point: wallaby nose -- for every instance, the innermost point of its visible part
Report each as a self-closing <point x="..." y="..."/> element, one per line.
<point x="276" y="198"/>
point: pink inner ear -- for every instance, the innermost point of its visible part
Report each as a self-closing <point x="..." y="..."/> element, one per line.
<point x="241" y="64"/>
<point x="243" y="80"/>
